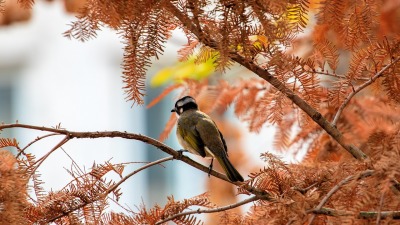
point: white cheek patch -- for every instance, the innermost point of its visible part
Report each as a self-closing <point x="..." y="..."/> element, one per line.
<point x="180" y="110"/>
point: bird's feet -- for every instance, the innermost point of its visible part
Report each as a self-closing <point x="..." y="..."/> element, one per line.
<point x="210" y="167"/>
<point x="180" y="153"/>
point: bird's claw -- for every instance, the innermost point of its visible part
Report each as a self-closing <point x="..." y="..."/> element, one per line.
<point x="180" y="153"/>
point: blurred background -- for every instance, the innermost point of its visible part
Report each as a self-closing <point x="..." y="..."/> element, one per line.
<point x="47" y="79"/>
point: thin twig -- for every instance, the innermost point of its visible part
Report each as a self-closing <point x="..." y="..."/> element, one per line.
<point x="304" y="190"/>
<point x="41" y="160"/>
<point x="355" y="91"/>
<point x="199" y="211"/>
<point x="378" y="218"/>
<point x="34" y="141"/>
<point x="73" y="162"/>
<point x="396" y="186"/>
<point x="337" y="187"/>
<point x="328" y="74"/>
<point x="336" y="75"/>
<point x="115" y="186"/>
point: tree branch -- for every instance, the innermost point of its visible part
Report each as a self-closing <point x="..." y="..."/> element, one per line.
<point x="264" y="74"/>
<point x="355" y="91"/>
<point x="383" y="215"/>
<point x="219" y="209"/>
<point x="330" y="212"/>
<point x="176" y="155"/>
<point x="361" y="215"/>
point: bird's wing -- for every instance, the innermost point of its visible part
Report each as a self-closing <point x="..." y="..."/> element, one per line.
<point x="223" y="141"/>
<point x="193" y="139"/>
<point x="211" y="136"/>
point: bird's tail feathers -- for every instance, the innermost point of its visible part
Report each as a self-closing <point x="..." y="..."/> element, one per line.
<point x="230" y="171"/>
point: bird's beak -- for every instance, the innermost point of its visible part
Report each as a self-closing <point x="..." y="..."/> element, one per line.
<point x="173" y="110"/>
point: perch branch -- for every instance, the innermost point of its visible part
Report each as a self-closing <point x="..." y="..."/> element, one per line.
<point x="218" y="209"/>
<point x="355" y="91"/>
<point x="112" y="134"/>
<point x="264" y="74"/>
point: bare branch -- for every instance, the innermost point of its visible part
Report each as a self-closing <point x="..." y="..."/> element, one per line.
<point x="361" y="215"/>
<point x="355" y="91"/>
<point x="330" y="212"/>
<point x="176" y="155"/>
<point x="219" y="209"/>
<point x="383" y="215"/>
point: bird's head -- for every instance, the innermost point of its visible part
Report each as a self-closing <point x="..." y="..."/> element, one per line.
<point x="184" y="104"/>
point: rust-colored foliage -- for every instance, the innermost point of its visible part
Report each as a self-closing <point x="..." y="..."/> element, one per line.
<point x="173" y="207"/>
<point x="344" y="69"/>
<point x="13" y="193"/>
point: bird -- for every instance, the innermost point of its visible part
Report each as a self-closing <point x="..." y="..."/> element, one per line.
<point x="198" y="134"/>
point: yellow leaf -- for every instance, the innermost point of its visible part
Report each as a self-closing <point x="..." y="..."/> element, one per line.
<point x="162" y="77"/>
<point x="183" y="70"/>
